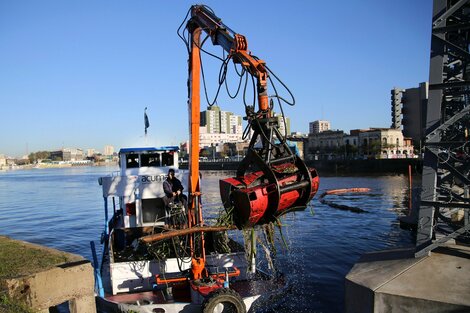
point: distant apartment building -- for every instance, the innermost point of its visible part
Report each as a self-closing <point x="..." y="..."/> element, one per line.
<point x="218" y="121"/>
<point x="67" y="154"/>
<point x="3" y="160"/>
<point x="90" y="153"/>
<point x="213" y="139"/>
<point x="210" y="119"/>
<point x="218" y="127"/>
<point x="284" y="123"/>
<point x="235" y="124"/>
<point x="409" y="111"/>
<point x="108" y="150"/>
<point x="319" y="126"/>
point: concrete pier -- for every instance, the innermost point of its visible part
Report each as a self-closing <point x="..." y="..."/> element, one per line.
<point x="394" y="281"/>
<point x="42" y="278"/>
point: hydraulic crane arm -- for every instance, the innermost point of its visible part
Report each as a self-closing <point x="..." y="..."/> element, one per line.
<point x="271" y="180"/>
<point x="235" y="45"/>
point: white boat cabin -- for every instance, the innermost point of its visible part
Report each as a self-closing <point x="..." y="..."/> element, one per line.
<point x="139" y="185"/>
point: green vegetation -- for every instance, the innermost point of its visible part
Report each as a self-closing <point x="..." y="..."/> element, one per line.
<point x="8" y="305"/>
<point x="17" y="259"/>
<point x="40" y="155"/>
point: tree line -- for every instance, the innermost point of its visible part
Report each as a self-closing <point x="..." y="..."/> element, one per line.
<point x="40" y="155"/>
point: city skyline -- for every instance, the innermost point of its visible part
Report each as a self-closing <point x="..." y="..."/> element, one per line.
<point x="80" y="75"/>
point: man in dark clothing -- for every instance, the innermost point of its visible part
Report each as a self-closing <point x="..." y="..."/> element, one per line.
<point x="175" y="214"/>
<point x="173" y="190"/>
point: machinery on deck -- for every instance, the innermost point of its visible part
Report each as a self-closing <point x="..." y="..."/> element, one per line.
<point x="154" y="254"/>
<point x="271" y="180"/>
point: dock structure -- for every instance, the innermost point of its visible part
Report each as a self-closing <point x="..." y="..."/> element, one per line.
<point x="396" y="281"/>
<point x="42" y="278"/>
<point x="434" y="276"/>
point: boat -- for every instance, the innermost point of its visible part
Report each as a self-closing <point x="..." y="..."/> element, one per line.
<point x="161" y="255"/>
<point x="139" y="272"/>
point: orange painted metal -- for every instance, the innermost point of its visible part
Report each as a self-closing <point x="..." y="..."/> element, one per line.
<point x="195" y="217"/>
<point x="194" y="123"/>
<point x="197" y="267"/>
<point x="161" y="281"/>
<point x="194" y="108"/>
<point x="256" y="68"/>
<point x="236" y="47"/>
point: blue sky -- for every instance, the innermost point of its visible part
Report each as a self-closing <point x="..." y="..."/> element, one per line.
<point x="80" y="73"/>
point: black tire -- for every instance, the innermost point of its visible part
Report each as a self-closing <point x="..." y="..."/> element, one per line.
<point x="229" y="298"/>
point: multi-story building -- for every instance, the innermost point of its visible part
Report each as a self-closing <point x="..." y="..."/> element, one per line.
<point x="284" y="124"/>
<point x="210" y="119"/>
<point x="213" y="139"/>
<point x="218" y="127"/>
<point x="218" y="121"/>
<point x="67" y="154"/>
<point x="351" y="145"/>
<point x="325" y="144"/>
<point x="108" y="150"/>
<point x="319" y="126"/>
<point x="409" y="111"/>
<point x="90" y="153"/>
<point x="3" y="160"/>
<point x="235" y="124"/>
<point x="385" y="143"/>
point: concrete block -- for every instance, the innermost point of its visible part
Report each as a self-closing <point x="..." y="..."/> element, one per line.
<point x="72" y="281"/>
<point x="68" y="282"/>
<point x="394" y="281"/>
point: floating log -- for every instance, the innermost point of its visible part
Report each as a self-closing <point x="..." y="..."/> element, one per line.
<point x="183" y="232"/>
<point x="345" y="190"/>
<point x="342" y="206"/>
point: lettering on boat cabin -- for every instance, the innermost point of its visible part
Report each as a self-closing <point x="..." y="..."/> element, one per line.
<point x="148" y="179"/>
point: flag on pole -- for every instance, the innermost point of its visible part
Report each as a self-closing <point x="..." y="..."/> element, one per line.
<point x="146" y="121"/>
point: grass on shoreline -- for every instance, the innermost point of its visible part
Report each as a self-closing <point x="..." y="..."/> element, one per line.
<point x="19" y="259"/>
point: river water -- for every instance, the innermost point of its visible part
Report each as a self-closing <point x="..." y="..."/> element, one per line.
<point x="63" y="208"/>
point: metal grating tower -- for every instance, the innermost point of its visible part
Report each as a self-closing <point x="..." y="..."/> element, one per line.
<point x="445" y="201"/>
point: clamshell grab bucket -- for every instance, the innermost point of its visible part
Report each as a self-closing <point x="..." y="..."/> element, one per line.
<point x="257" y="200"/>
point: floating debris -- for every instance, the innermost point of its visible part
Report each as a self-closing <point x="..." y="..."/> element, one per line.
<point x="342" y="206"/>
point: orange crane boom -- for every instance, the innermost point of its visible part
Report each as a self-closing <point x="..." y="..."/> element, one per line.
<point x="271" y="180"/>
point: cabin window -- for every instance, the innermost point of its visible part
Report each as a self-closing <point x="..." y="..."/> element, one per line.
<point x="132" y="160"/>
<point x="150" y="159"/>
<point x="167" y="159"/>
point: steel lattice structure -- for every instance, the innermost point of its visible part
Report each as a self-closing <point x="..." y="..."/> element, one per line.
<point x="446" y="166"/>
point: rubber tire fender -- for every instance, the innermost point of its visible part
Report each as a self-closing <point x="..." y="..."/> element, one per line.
<point x="223" y="295"/>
